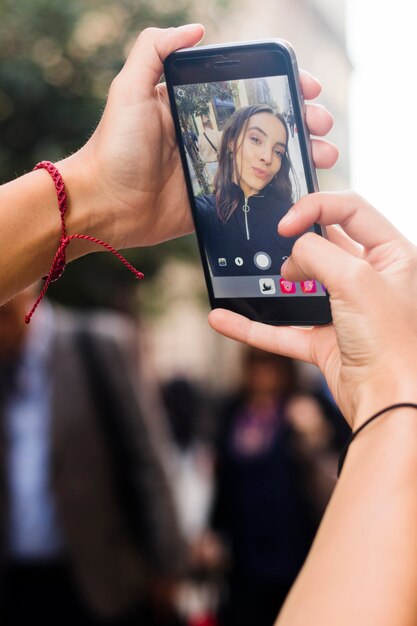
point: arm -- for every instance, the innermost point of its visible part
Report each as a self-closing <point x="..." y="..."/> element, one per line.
<point x="126" y="184"/>
<point x="362" y="567"/>
<point x="109" y="184"/>
<point x="30" y="226"/>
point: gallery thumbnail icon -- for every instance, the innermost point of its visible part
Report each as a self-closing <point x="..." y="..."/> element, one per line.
<point x="267" y="286"/>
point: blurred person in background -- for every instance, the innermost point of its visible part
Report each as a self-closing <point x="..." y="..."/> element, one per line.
<point x="291" y="121"/>
<point x="193" y="456"/>
<point x="264" y="511"/>
<point x="314" y="443"/>
<point x="209" y="145"/>
<point x="88" y="533"/>
<point x="192" y="430"/>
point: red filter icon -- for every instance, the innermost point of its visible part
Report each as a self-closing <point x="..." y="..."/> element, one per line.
<point x="287" y="286"/>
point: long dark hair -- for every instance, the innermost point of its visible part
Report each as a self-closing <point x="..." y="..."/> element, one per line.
<point x="226" y="201"/>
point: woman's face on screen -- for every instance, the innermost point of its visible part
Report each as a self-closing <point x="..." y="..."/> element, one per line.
<point x="260" y="149"/>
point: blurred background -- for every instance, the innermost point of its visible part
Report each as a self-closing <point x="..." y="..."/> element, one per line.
<point x="244" y="438"/>
<point x="382" y="107"/>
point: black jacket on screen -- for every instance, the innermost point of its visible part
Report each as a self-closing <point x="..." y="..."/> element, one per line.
<point x="244" y="238"/>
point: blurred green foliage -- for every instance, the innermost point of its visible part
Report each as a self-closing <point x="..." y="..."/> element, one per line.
<point x="195" y="99"/>
<point x="57" y="60"/>
<point x="192" y="102"/>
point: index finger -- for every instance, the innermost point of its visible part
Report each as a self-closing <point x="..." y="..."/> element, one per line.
<point x="310" y="85"/>
<point x="293" y="342"/>
<point x="359" y="219"/>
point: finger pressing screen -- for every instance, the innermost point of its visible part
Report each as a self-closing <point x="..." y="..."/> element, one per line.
<point x="314" y="257"/>
<point x="359" y="219"/>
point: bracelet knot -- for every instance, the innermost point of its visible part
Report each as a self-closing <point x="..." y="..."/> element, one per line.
<point x="59" y="262"/>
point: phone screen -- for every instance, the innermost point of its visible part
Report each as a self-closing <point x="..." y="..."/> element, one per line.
<point x="246" y="167"/>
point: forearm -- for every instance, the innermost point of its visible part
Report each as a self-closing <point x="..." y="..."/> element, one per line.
<point x="30" y="226"/>
<point x="362" y="569"/>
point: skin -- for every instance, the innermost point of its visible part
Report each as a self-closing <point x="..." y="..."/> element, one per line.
<point x="126" y="185"/>
<point x="362" y="568"/>
<point x="306" y="417"/>
<point x="364" y="263"/>
<point x="261" y="146"/>
<point x="265" y="382"/>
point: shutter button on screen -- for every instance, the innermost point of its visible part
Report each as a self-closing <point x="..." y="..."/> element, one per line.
<point x="262" y="260"/>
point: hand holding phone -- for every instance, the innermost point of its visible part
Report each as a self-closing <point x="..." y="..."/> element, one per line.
<point x="241" y="128"/>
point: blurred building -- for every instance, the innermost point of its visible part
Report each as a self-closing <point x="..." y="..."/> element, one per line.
<point x="181" y="341"/>
<point x="316" y="30"/>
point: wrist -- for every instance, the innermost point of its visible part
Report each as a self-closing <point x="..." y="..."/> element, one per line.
<point x="81" y="217"/>
<point x="381" y="392"/>
<point x="88" y="213"/>
<point x="33" y="224"/>
<point x="367" y="423"/>
<point x="394" y="432"/>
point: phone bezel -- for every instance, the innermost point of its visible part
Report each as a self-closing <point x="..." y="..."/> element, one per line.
<point x="250" y="60"/>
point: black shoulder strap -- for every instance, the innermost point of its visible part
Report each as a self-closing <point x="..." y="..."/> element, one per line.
<point x="211" y="143"/>
<point x="118" y="440"/>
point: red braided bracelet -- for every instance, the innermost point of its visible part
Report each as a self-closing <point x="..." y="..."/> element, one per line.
<point x="59" y="261"/>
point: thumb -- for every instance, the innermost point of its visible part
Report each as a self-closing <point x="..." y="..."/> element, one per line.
<point x="144" y="65"/>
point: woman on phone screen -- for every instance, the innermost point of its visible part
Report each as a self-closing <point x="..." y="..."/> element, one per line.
<point x="252" y="192"/>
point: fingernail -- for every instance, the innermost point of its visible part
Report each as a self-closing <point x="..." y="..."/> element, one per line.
<point x="284" y="266"/>
<point x="188" y="26"/>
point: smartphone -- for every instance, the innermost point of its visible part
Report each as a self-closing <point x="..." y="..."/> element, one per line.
<point x="240" y="123"/>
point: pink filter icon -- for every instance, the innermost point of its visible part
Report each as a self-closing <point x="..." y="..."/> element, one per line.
<point x="308" y="286"/>
<point x="287" y="286"/>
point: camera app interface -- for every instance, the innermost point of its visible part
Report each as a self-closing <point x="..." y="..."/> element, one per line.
<point x="245" y="163"/>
